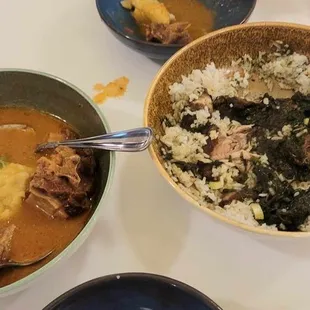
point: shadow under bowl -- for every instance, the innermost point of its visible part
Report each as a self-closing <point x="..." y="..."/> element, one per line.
<point x="132" y="291"/>
<point x="124" y="28"/>
<point x="220" y="47"/>
<point x="52" y="95"/>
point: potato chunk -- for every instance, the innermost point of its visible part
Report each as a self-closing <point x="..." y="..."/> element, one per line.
<point x="148" y="11"/>
<point x="14" y="180"/>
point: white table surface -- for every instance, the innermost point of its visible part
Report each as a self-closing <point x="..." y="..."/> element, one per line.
<point x="145" y="226"/>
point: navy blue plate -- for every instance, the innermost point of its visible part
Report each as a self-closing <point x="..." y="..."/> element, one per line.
<point x="133" y="291"/>
<point x="124" y="27"/>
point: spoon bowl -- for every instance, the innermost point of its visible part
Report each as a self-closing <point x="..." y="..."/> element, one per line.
<point x="12" y="263"/>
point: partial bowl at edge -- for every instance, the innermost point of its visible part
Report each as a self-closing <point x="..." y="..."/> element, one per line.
<point x="50" y="94"/>
<point x="122" y="25"/>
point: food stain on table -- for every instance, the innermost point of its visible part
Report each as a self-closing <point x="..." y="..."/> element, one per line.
<point x="114" y="89"/>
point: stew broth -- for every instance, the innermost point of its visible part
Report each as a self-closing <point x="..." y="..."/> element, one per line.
<point x="193" y="12"/>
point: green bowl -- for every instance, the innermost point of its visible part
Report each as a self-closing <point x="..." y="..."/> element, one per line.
<point x="50" y="94"/>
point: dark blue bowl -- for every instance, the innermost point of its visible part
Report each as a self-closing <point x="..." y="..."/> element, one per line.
<point x="133" y="291"/>
<point x="124" y="27"/>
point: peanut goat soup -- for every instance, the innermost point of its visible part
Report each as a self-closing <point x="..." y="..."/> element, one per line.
<point x="171" y="21"/>
<point x="238" y="139"/>
<point x="45" y="198"/>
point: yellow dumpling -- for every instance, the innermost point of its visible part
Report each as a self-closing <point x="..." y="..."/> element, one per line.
<point x="149" y="11"/>
<point x="14" y="180"/>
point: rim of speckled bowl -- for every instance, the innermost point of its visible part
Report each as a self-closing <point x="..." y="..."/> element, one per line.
<point x="147" y="43"/>
<point x="78" y="240"/>
<point x="147" y="104"/>
<point x="135" y="276"/>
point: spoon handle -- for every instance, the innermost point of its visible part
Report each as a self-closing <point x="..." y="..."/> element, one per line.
<point x="132" y="140"/>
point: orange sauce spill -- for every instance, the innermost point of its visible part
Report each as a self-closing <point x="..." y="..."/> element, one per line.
<point x="114" y="89"/>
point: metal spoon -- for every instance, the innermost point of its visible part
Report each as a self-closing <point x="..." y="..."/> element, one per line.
<point x="133" y="140"/>
<point x="12" y="263"/>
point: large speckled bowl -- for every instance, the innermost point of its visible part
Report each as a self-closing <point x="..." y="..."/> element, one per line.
<point x="220" y="47"/>
<point x="52" y="95"/>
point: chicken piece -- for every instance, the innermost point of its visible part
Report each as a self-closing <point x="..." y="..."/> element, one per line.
<point x="231" y="146"/>
<point x="234" y="145"/>
<point x="6" y="236"/>
<point x="175" y="33"/>
<point x="203" y="101"/>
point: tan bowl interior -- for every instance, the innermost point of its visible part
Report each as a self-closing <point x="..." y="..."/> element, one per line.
<point x="220" y="47"/>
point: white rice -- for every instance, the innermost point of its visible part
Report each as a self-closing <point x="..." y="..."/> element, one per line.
<point x="213" y="79"/>
<point x="288" y="70"/>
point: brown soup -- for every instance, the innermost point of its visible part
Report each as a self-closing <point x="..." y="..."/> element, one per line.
<point x="35" y="233"/>
<point x="193" y="12"/>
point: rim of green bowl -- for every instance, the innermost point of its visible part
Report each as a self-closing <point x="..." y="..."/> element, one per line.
<point x="79" y="239"/>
